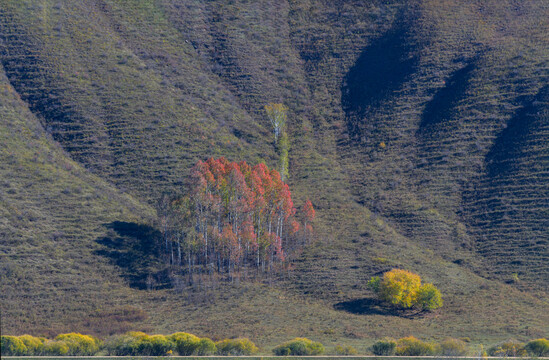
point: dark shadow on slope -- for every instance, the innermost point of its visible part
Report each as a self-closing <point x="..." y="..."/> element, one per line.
<point x="381" y="69"/>
<point x="507" y="146"/>
<point x="44" y="94"/>
<point x="508" y="205"/>
<point x="369" y="306"/>
<point x="134" y="249"/>
<point x="445" y="100"/>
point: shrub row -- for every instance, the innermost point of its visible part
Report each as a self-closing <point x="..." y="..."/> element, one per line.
<point x="410" y="346"/>
<point x="184" y="344"/>
<point x="140" y="344"/>
<point x="64" y="344"/>
<point x="130" y="344"/>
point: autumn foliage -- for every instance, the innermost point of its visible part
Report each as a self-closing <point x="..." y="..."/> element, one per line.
<point x="403" y="289"/>
<point x="233" y="217"/>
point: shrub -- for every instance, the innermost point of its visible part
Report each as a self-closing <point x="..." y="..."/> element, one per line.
<point x="374" y="284"/>
<point x="155" y="345"/>
<point x="345" y="350"/>
<point x="126" y="345"/>
<point x="410" y="346"/>
<point x="206" y="347"/>
<point x="453" y="347"/>
<point x="35" y="346"/>
<point x="428" y="297"/>
<point x="56" y="348"/>
<point x="236" y="347"/>
<point x="299" y="346"/>
<point x="385" y="347"/>
<point x="12" y="346"/>
<point x="185" y="344"/>
<point x="539" y="347"/>
<point x="80" y="345"/>
<point x="509" y="348"/>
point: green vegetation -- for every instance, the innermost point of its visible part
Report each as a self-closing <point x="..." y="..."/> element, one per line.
<point x="236" y="347"/>
<point x="428" y="297"/>
<point x="206" y="347"/>
<point x="34" y="345"/>
<point x="138" y="344"/>
<point x="78" y="344"/>
<point x="299" y="347"/>
<point x="185" y="344"/>
<point x="277" y="114"/>
<point x="403" y="289"/>
<point x="539" y="347"/>
<point x="385" y="347"/>
<point x="453" y="347"/>
<point x="12" y="345"/>
<point x="410" y="346"/>
<point x="154" y="345"/>
<point x="509" y="348"/>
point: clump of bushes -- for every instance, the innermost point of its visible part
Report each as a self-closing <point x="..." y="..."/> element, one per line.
<point x="155" y="345"/>
<point x="80" y="345"/>
<point x="125" y="345"/>
<point x="385" y="347"/>
<point x="509" y="348"/>
<point x="299" y="346"/>
<point x="205" y="347"/>
<point x="35" y="345"/>
<point x="403" y="289"/>
<point x="410" y="346"/>
<point x="236" y="347"/>
<point x="56" y="348"/>
<point x="185" y="344"/>
<point x="132" y="343"/>
<point x="12" y="346"/>
<point x="453" y="347"/>
<point x="539" y="347"/>
<point x="138" y="343"/>
<point x="64" y="344"/>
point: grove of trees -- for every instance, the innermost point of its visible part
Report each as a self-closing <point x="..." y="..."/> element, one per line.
<point x="234" y="219"/>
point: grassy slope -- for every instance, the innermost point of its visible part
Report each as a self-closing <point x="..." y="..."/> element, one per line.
<point x="136" y="91"/>
<point x="53" y="210"/>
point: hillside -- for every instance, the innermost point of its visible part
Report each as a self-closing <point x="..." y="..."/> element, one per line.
<point x="418" y="129"/>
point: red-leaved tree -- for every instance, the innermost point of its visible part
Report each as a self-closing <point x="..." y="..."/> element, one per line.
<point x="233" y="217"/>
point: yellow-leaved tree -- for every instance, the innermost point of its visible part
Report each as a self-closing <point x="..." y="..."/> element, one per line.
<point x="277" y="113"/>
<point x="403" y="289"/>
<point x="400" y="287"/>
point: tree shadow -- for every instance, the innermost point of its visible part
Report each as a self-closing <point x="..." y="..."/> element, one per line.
<point x="134" y="249"/>
<point x="369" y="306"/>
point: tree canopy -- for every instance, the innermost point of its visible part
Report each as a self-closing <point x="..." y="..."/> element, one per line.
<point x="232" y="217"/>
<point x="403" y="289"/>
